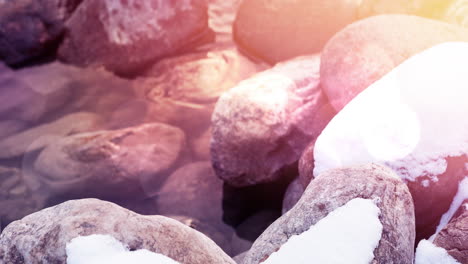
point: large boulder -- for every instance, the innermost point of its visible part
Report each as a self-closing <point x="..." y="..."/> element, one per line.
<point x="43" y="236"/>
<point x="332" y="190"/>
<point x="131" y="162"/>
<point x="263" y="124"/>
<point x="283" y="29"/>
<point x="292" y="195"/>
<point x="424" y="141"/>
<point x="129" y="35"/>
<point x="31" y="28"/>
<point x="365" y="51"/>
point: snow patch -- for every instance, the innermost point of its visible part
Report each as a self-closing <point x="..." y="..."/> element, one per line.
<point x="349" y="234"/>
<point x="428" y="253"/>
<point x="410" y="120"/>
<point x="99" y="249"/>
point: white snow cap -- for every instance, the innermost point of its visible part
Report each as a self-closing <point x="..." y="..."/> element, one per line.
<point x="100" y="249"/>
<point x="410" y="120"/>
<point x="428" y="253"/>
<point x="349" y="234"/>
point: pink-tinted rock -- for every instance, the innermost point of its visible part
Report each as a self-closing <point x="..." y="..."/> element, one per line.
<point x="125" y="36"/>
<point x="278" y="30"/>
<point x="366" y="50"/>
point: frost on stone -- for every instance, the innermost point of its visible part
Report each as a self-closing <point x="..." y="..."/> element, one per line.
<point x="410" y="120"/>
<point x="348" y="234"/>
<point x="428" y="253"/>
<point x="126" y="22"/>
<point x="99" y="249"/>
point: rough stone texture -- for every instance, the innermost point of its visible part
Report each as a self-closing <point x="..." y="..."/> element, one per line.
<point x="39" y="137"/>
<point x="42" y="236"/>
<point x="366" y="50"/>
<point x="131" y="162"/>
<point x="125" y="36"/>
<point x="263" y="124"/>
<point x="16" y="199"/>
<point x="282" y="29"/>
<point x="306" y="165"/>
<point x="333" y="189"/>
<point x="454" y="237"/>
<point x="31" y="28"/>
<point x="293" y="195"/>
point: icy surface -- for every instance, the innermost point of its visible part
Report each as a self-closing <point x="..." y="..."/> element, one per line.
<point x="462" y="195"/>
<point x="428" y="253"/>
<point x="348" y="234"/>
<point x="410" y="120"/>
<point x="99" y="249"/>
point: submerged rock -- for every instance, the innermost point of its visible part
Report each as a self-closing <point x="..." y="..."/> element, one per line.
<point x="131" y="162"/>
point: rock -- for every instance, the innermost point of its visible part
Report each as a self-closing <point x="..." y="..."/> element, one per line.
<point x="182" y="90"/>
<point x="201" y="146"/>
<point x="239" y="246"/>
<point x="240" y="257"/>
<point x="389" y="124"/>
<point x="454" y="237"/>
<point x="29" y="94"/>
<point x="10" y="127"/>
<point x="456" y="13"/>
<point x="279" y="30"/>
<point x="365" y="51"/>
<point x="39" y="137"/>
<point x="130" y="35"/>
<point x="332" y="190"/>
<point x="255" y="225"/>
<point x="221" y="236"/>
<point x="44" y="235"/>
<point x="16" y="199"/>
<point x="199" y="77"/>
<point x="193" y="190"/>
<point x="306" y="165"/>
<point x="131" y="162"/>
<point x="222" y="14"/>
<point x="31" y="28"/>
<point x="263" y="124"/>
<point x="50" y="91"/>
<point x="292" y="195"/>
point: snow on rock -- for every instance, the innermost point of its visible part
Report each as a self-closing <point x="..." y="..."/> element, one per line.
<point x="326" y="194"/>
<point x="358" y="219"/>
<point x="457" y="202"/>
<point x="98" y="249"/>
<point x="413" y="120"/>
<point x="428" y="253"/>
